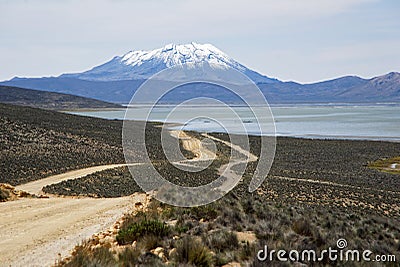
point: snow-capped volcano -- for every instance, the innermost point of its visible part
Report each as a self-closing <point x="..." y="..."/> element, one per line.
<point x="172" y="55"/>
<point x="140" y="64"/>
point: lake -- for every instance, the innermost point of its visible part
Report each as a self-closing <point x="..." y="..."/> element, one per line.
<point x="373" y="122"/>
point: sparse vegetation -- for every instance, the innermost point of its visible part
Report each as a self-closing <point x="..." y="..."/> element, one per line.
<point x="109" y="183"/>
<point x="221" y="240"/>
<point x="385" y="165"/>
<point x="37" y="143"/>
<point x="120" y="182"/>
<point x="317" y="192"/>
<point x="129" y="257"/>
<point x="290" y="213"/>
<point x="337" y="161"/>
<point x="84" y="256"/>
<point x="210" y="232"/>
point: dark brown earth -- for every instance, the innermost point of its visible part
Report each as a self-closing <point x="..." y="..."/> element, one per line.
<point x="48" y="100"/>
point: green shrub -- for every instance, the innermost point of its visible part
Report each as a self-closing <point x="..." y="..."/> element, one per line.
<point x="181" y="228"/>
<point x="191" y="251"/>
<point x="221" y="259"/>
<point x="141" y="229"/>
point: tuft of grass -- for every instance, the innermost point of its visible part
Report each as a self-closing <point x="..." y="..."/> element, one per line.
<point x="149" y="259"/>
<point x="83" y="256"/>
<point x="142" y="228"/>
<point x="221" y="240"/>
<point x="207" y="212"/>
<point x="129" y="257"/>
<point x="193" y="252"/>
<point x="247" y="251"/>
<point x="302" y="227"/>
<point x="149" y="242"/>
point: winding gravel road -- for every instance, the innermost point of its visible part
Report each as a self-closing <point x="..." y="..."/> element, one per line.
<point x="38" y="232"/>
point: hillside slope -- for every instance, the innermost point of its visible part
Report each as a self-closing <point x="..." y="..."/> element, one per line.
<point x="48" y="100"/>
<point x="37" y="143"/>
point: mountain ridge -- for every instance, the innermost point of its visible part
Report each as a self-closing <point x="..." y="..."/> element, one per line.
<point x="118" y="79"/>
<point x="48" y="100"/>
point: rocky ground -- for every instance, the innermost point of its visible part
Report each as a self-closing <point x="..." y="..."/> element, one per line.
<point x="340" y="161"/>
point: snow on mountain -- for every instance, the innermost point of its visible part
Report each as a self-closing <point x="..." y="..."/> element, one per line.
<point x="172" y="55"/>
<point x="141" y="64"/>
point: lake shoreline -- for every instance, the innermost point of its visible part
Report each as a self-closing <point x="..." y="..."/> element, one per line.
<point x="346" y="122"/>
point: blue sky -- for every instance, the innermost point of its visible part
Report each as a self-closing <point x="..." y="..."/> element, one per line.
<point x="300" y="40"/>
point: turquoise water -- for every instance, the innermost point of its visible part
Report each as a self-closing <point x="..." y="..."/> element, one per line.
<point x="379" y="122"/>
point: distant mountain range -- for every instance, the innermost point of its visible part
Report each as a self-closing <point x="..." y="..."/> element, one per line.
<point x="117" y="80"/>
<point x="348" y="89"/>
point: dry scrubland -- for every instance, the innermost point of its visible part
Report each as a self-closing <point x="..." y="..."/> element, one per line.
<point x="36" y="143"/>
<point x="309" y="209"/>
<point x="317" y="192"/>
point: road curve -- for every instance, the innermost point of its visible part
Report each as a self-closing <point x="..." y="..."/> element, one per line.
<point x="37" y="232"/>
<point x="35" y="187"/>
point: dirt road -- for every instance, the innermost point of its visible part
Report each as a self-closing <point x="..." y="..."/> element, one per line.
<point x="35" y="187"/>
<point x="36" y="232"/>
